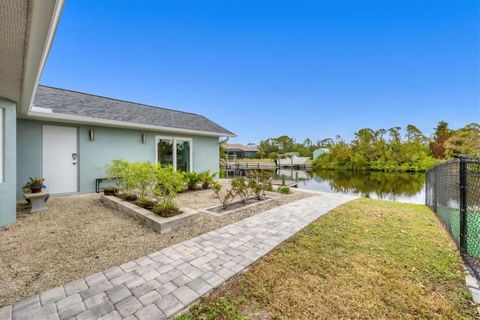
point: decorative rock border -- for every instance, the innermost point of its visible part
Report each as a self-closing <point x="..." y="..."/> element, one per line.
<point x="218" y="214"/>
<point x="157" y="223"/>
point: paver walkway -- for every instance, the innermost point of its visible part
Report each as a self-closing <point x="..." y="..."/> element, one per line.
<point x="164" y="283"/>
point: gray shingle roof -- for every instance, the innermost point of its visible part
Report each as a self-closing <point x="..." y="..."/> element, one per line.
<point x="67" y="102"/>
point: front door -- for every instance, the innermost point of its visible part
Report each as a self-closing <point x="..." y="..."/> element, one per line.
<point x="60" y="159"/>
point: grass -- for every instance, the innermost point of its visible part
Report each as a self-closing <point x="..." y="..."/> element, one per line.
<point x="367" y="259"/>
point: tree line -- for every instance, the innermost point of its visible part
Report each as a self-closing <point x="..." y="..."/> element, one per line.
<point x="390" y="149"/>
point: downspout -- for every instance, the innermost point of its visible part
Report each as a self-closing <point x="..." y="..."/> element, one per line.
<point x="224" y="141"/>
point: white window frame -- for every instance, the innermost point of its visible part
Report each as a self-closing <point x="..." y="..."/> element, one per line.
<point x="2" y="148"/>
<point x="174" y="139"/>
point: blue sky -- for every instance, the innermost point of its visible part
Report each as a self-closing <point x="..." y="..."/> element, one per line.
<point x="267" y="68"/>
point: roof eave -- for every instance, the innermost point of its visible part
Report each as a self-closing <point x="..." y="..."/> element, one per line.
<point x="57" y="117"/>
<point x="43" y="21"/>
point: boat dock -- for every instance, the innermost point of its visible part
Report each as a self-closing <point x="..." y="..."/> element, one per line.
<point x="262" y="166"/>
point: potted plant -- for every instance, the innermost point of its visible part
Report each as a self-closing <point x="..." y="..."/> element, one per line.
<point x="110" y="190"/>
<point x="35" y="184"/>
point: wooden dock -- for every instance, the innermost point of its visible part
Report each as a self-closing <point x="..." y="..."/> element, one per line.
<point x="262" y="166"/>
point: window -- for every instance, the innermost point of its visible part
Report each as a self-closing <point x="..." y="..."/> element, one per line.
<point x="175" y="152"/>
<point x="1" y="144"/>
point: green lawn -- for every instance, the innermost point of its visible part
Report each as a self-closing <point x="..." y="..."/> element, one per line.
<point x="367" y="259"/>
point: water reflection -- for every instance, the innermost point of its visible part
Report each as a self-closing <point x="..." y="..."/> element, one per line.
<point x="402" y="187"/>
<point x="405" y="187"/>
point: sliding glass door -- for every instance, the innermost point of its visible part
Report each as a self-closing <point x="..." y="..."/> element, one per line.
<point x="183" y="155"/>
<point x="165" y="152"/>
<point x="175" y="152"/>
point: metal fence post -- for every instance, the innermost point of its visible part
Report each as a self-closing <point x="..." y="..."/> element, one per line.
<point x="435" y="189"/>
<point x="463" y="205"/>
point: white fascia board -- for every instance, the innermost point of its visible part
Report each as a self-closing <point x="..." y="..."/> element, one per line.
<point x="44" y="16"/>
<point x="56" y="117"/>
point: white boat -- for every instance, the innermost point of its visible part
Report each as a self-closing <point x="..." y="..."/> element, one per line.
<point x="293" y="161"/>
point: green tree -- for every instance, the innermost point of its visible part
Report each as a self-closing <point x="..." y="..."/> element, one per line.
<point x="465" y="141"/>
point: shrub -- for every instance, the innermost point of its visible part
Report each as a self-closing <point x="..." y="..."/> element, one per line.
<point x="166" y="208"/>
<point x="167" y="184"/>
<point x="132" y="178"/>
<point x="145" y="203"/>
<point x="119" y="170"/>
<point x="128" y="196"/>
<point x="207" y="179"/>
<point x="273" y="156"/>
<point x="240" y="188"/>
<point x="284" y="190"/>
<point x="225" y="198"/>
<point x="223" y="173"/>
<point x="192" y="179"/>
<point x="142" y="177"/>
<point x="259" y="182"/>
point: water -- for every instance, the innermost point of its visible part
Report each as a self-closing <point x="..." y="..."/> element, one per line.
<point x="401" y="187"/>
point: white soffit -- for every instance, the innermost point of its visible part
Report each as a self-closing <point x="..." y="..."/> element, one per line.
<point x="13" y="26"/>
<point x="27" y="28"/>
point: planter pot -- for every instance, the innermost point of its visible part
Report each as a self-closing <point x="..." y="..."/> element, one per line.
<point x="36" y="189"/>
<point x="110" y="192"/>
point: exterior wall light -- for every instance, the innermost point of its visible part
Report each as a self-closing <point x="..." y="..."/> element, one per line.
<point x="91" y="134"/>
<point x="144" y="138"/>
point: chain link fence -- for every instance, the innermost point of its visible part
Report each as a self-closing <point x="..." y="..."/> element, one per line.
<point x="453" y="193"/>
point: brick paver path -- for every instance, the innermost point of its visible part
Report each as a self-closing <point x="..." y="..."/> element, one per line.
<point x="164" y="283"/>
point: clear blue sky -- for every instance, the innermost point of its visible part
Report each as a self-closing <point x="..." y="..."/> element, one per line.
<point x="266" y="68"/>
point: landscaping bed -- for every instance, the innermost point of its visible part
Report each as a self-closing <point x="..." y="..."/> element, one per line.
<point x="367" y="259"/>
<point x="219" y="210"/>
<point x="164" y="222"/>
<point x="79" y="235"/>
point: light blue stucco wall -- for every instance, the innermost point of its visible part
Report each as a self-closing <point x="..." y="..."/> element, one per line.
<point x="29" y="152"/>
<point x="109" y="143"/>
<point x="9" y="183"/>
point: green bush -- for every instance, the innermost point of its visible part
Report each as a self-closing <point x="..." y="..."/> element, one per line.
<point x="142" y="177"/>
<point x="145" y="203"/>
<point x="167" y="184"/>
<point x="166" y="208"/>
<point x="192" y="179"/>
<point x="132" y="178"/>
<point x="138" y="180"/>
<point x="273" y="156"/>
<point x="284" y="190"/>
<point x="206" y="179"/>
<point x="119" y="170"/>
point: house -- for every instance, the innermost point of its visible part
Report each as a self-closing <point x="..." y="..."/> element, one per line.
<point x="240" y="151"/>
<point x="69" y="137"/>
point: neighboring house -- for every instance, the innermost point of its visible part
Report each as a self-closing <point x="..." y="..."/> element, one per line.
<point x="69" y="137"/>
<point x="240" y="151"/>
